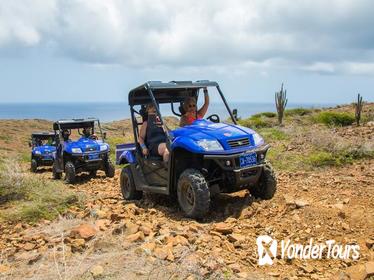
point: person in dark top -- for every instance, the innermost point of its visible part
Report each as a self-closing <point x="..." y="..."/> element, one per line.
<point x="152" y="137"/>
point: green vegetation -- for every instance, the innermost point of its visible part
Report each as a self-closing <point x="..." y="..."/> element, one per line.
<point x="358" y="109"/>
<point x="26" y="156"/>
<point x="264" y="114"/>
<point x="281" y="103"/>
<point x="272" y="134"/>
<point x="30" y="198"/>
<point x="297" y="112"/>
<point x="113" y="141"/>
<point x="257" y="122"/>
<point x="334" y="118"/>
<point x="325" y="158"/>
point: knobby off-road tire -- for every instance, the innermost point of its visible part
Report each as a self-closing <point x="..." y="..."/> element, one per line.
<point x="193" y="193"/>
<point x="70" y="173"/>
<point x="109" y="169"/>
<point x="128" y="189"/>
<point x="267" y="184"/>
<point x="34" y="165"/>
<point x="56" y="175"/>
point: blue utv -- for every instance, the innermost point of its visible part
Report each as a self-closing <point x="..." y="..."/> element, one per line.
<point x="206" y="157"/>
<point x="42" y="149"/>
<point x="86" y="154"/>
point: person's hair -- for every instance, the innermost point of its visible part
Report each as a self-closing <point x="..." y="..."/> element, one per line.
<point x="187" y="101"/>
<point x="149" y="106"/>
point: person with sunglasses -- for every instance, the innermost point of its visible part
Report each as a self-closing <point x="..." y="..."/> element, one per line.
<point x="190" y="109"/>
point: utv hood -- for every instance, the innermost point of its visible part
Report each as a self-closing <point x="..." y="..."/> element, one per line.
<point x="85" y="144"/>
<point x="45" y="149"/>
<point x="231" y="137"/>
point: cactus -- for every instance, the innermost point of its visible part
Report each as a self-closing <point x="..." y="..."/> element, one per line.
<point x="358" y="109"/>
<point x="281" y="103"/>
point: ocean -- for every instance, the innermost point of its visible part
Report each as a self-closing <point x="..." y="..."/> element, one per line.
<point x="107" y="112"/>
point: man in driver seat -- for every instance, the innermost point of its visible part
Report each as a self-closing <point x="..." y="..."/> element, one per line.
<point x="190" y="108"/>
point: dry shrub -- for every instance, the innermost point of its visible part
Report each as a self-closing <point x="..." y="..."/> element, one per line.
<point x="31" y="197"/>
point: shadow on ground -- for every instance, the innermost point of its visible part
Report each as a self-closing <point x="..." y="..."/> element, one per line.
<point x="222" y="207"/>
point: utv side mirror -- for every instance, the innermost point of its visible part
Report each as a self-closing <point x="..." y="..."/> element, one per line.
<point x="235" y="114"/>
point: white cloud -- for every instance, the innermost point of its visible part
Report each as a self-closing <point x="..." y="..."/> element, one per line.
<point x="316" y="36"/>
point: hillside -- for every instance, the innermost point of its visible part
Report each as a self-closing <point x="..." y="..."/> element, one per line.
<point x="86" y="231"/>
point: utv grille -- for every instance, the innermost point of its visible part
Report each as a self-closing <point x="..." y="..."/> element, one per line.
<point x="235" y="143"/>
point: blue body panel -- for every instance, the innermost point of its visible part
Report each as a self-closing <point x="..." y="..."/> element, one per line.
<point x="125" y="153"/>
<point x="186" y="137"/>
<point x="86" y="145"/>
<point x="44" y="151"/>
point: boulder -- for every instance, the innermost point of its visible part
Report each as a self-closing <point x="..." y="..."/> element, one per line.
<point x="83" y="231"/>
<point x="97" y="271"/>
<point x="223" y="228"/>
<point x="369" y="268"/>
<point x="77" y="245"/>
<point x="139" y="236"/>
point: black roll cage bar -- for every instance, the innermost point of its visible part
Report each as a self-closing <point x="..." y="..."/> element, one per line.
<point x="90" y="121"/>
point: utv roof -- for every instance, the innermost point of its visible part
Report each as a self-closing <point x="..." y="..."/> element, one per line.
<point x="42" y="134"/>
<point x="74" y="123"/>
<point x="174" y="91"/>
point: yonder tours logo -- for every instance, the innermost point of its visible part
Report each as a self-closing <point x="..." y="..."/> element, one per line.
<point x="267" y="249"/>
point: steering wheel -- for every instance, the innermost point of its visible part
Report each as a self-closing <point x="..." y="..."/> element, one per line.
<point x="213" y="118"/>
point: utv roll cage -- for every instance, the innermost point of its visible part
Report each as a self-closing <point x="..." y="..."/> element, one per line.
<point x="43" y="135"/>
<point x="78" y="124"/>
<point x="156" y="92"/>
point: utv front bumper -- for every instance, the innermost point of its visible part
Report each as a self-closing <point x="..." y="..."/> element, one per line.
<point x="43" y="160"/>
<point x="234" y="177"/>
<point x="90" y="161"/>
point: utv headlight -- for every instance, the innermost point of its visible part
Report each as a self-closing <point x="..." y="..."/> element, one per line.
<point x="257" y="139"/>
<point x="103" y="147"/>
<point x="38" y="153"/>
<point x="76" y="150"/>
<point x="210" y="145"/>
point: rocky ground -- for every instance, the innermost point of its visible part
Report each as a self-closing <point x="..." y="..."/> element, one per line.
<point x="107" y="238"/>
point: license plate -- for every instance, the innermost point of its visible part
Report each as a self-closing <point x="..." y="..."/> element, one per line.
<point x="93" y="156"/>
<point x="248" y="160"/>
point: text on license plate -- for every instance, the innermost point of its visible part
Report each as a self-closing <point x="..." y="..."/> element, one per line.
<point x="248" y="159"/>
<point x="93" y="156"/>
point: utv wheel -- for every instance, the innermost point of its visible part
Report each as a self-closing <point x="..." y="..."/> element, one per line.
<point x="34" y="165"/>
<point x="128" y="189"/>
<point x="193" y="193"/>
<point x="56" y="175"/>
<point x="69" y="173"/>
<point x="267" y="184"/>
<point x="109" y="169"/>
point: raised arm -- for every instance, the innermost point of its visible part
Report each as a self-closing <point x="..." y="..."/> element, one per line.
<point x="202" y="111"/>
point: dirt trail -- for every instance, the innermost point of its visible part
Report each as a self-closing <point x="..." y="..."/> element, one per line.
<point x="150" y="239"/>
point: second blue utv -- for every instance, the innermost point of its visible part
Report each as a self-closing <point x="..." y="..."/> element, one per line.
<point x="42" y="149"/>
<point x="206" y="157"/>
<point x="89" y="153"/>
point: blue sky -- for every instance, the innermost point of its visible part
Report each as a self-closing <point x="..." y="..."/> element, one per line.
<point x="91" y="50"/>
